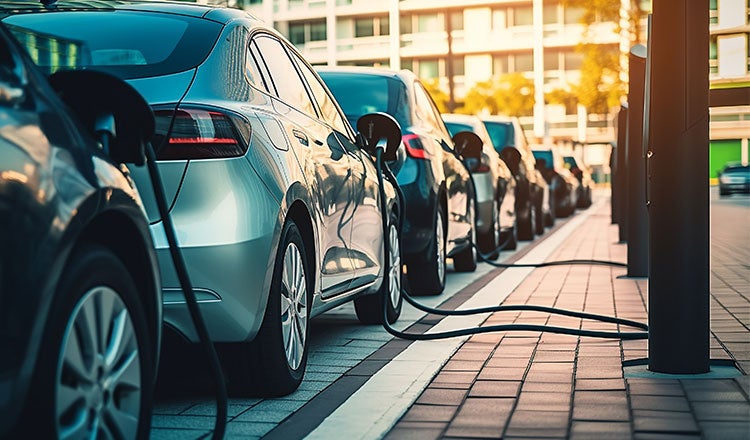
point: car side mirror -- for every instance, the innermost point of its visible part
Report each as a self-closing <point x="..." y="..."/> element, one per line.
<point x="468" y="145"/>
<point x="379" y="129"/>
<point x="113" y="112"/>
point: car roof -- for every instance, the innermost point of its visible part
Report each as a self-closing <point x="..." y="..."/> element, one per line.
<point x="216" y="13"/>
<point x="403" y="75"/>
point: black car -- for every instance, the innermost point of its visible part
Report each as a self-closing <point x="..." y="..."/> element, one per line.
<point x="80" y="299"/>
<point x="440" y="213"/>
<point x="532" y="204"/>
<point x="734" y="178"/>
<point x="563" y="186"/>
<point x="581" y="172"/>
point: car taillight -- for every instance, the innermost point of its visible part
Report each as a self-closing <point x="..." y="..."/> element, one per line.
<point x="196" y="134"/>
<point x="482" y="168"/>
<point x="414" y="147"/>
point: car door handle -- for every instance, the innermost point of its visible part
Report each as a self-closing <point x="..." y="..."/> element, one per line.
<point x="301" y="137"/>
<point x="319" y="142"/>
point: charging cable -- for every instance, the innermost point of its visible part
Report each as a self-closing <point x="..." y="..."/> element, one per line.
<point x="381" y="170"/>
<point x="187" y="290"/>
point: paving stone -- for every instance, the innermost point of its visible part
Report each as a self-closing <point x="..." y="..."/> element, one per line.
<point x="279" y="405"/>
<point x="601" y="412"/>
<point x="182" y="422"/>
<point x="656" y="389"/>
<point x="455" y="377"/>
<point x="600" y="385"/>
<point x="600" y="398"/>
<point x="547" y="387"/>
<point x="543" y="376"/>
<point x="725" y="430"/>
<point x="178" y="434"/>
<point x="715" y="396"/>
<point x="661" y="403"/>
<point x="532" y="401"/>
<point x="495" y="388"/>
<point x="174" y="407"/>
<point x="430" y="413"/>
<point x="599" y="372"/>
<point x="209" y="409"/>
<point x="247" y="429"/>
<point x="441" y="396"/>
<point x="662" y="436"/>
<point x="664" y="421"/>
<point x="587" y="430"/>
<point x="538" y="424"/>
<point x="555" y="356"/>
<point x="454" y="365"/>
<point x="479" y="417"/>
<point x="254" y="415"/>
<point x="715" y="411"/>
<point x="412" y="432"/>
<point x="499" y="373"/>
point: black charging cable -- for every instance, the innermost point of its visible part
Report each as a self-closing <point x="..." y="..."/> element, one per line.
<point x="187" y="290"/>
<point x="381" y="170"/>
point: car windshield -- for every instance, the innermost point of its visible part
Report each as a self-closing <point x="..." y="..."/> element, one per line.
<point x="737" y="169"/>
<point x="570" y="161"/>
<point x="455" y="127"/>
<point x="128" y="44"/>
<point x="359" y="94"/>
<point x="501" y="134"/>
<point x="546" y="156"/>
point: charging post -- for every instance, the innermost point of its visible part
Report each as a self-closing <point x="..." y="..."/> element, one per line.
<point x="620" y="181"/>
<point x="637" y="215"/>
<point x="678" y="189"/>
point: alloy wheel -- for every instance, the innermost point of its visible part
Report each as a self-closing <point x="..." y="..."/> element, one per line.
<point x="293" y="306"/>
<point x="440" y="243"/>
<point x="394" y="273"/>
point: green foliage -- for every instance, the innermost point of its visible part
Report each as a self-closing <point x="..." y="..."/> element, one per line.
<point x="600" y="87"/>
<point x="563" y="97"/>
<point x="438" y="95"/>
<point x="596" y="10"/>
<point x="510" y="94"/>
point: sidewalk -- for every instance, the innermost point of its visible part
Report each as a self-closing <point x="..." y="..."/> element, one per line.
<point x="544" y="385"/>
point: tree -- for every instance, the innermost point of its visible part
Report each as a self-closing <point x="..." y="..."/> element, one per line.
<point x="510" y="94"/>
<point x="440" y="97"/>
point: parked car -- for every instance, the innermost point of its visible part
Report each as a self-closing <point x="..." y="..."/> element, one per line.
<point x="734" y="178"/>
<point x="439" y="208"/>
<point x="495" y="189"/>
<point x="532" y="199"/>
<point x="563" y="186"/>
<point x="581" y="172"/>
<point x="275" y="204"/>
<point x="80" y="303"/>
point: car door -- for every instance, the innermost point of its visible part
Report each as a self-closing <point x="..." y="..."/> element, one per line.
<point x="362" y="216"/>
<point x="324" y="161"/>
<point x="456" y="176"/>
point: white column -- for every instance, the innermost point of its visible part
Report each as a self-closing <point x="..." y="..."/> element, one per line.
<point x="538" y="20"/>
<point x="331" y="32"/>
<point x="743" y="151"/>
<point x="394" y="29"/>
<point x="582" y="122"/>
<point x="625" y="40"/>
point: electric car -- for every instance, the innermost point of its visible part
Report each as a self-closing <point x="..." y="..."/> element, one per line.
<point x="532" y="198"/>
<point x="581" y="172"/>
<point x="275" y="205"/>
<point x="734" y="178"/>
<point x="563" y="186"/>
<point x="495" y="189"/>
<point x="439" y="218"/>
<point x="80" y="304"/>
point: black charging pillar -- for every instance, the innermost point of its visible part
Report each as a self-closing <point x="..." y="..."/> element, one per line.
<point x="678" y="189"/>
<point x="637" y="221"/>
<point x="620" y="180"/>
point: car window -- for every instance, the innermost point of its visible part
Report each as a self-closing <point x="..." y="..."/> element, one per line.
<point x="116" y="41"/>
<point x="501" y="134"/>
<point x="455" y="127"/>
<point x="253" y="68"/>
<point x="425" y="104"/>
<point x="545" y="156"/>
<point x="328" y="109"/>
<point x="285" y="81"/>
<point x="359" y="94"/>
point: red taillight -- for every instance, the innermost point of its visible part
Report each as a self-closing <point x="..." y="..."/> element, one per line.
<point x="196" y="134"/>
<point x="482" y="168"/>
<point x="414" y="146"/>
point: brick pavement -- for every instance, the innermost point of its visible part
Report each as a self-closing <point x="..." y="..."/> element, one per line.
<point x="543" y="385"/>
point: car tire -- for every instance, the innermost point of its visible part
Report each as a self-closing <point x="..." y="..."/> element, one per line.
<point x="509" y="239"/>
<point x="87" y="383"/>
<point x="526" y="226"/>
<point x="488" y="242"/>
<point x="274" y="363"/>
<point x="466" y="259"/>
<point x="539" y="220"/>
<point x="427" y="274"/>
<point x="369" y="308"/>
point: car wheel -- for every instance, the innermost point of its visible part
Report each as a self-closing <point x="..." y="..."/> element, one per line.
<point x="95" y="371"/>
<point x="526" y="225"/>
<point x="509" y="239"/>
<point x="465" y="260"/>
<point x="427" y="277"/>
<point x="539" y="220"/>
<point x="273" y="364"/>
<point x="369" y="308"/>
<point x="490" y="240"/>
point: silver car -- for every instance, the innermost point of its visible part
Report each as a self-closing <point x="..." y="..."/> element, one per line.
<point x="276" y="207"/>
<point x="495" y="189"/>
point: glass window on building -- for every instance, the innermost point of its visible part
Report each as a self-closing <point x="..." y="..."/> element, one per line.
<point x="499" y="64"/>
<point x="551" y="60"/>
<point x="429" y="23"/>
<point x="458" y="65"/>
<point x="318" y="30"/>
<point x="573" y="15"/>
<point x="549" y="14"/>
<point x="407" y="64"/>
<point x="523" y="16"/>
<point x="428" y="69"/>
<point x="499" y="18"/>
<point x="524" y="62"/>
<point x="573" y="60"/>
<point x="384" y="26"/>
<point x="297" y="33"/>
<point x="457" y="20"/>
<point x="364" y="27"/>
<point x="404" y="24"/>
